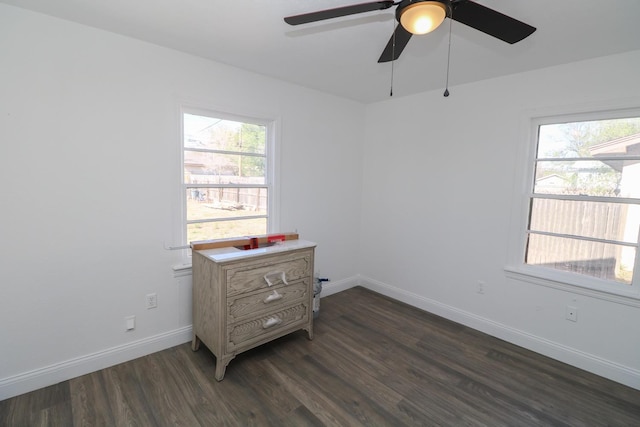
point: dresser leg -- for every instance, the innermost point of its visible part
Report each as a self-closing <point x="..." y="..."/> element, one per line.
<point x="309" y="331"/>
<point x="221" y="365"/>
<point x="220" y="370"/>
<point x="195" y="343"/>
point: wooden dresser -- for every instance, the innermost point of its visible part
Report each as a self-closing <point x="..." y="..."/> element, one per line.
<point x="245" y="298"/>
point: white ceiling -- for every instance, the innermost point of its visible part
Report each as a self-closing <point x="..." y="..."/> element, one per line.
<point x="340" y="56"/>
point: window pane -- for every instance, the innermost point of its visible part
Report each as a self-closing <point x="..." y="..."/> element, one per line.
<point x="226" y="229"/>
<point x="227" y="159"/>
<point x="608" y="221"/>
<point x="585" y="177"/>
<point x="588" y="138"/>
<point x="601" y="260"/>
<point x="218" y="134"/>
<point x="214" y="168"/>
<point x="213" y="203"/>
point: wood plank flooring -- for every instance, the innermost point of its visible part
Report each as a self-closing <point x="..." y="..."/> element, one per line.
<point x="373" y="362"/>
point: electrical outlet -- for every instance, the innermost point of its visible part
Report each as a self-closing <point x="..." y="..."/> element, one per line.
<point x="572" y="313"/>
<point x="152" y="300"/>
<point x="480" y="288"/>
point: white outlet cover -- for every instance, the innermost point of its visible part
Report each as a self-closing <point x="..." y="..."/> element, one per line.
<point x="152" y="300"/>
<point x="130" y="323"/>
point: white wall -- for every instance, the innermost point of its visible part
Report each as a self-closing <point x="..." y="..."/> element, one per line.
<point x="89" y="172"/>
<point x="440" y="177"/>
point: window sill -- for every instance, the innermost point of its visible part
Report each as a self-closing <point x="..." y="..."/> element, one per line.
<point x="557" y="280"/>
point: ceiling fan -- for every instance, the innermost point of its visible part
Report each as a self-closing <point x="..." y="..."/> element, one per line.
<point x="424" y="16"/>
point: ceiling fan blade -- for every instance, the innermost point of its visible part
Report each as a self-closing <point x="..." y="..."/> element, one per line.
<point x="337" y="12"/>
<point x="491" y="22"/>
<point x="391" y="53"/>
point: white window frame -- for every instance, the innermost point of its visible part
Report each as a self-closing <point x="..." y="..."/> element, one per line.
<point x="272" y="165"/>
<point x="516" y="267"/>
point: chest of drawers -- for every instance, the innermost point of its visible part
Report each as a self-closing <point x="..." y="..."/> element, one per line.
<point x="242" y="299"/>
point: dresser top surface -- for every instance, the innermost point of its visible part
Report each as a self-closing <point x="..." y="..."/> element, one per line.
<point x="233" y="253"/>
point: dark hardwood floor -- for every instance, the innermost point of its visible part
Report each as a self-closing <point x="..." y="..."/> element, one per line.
<point x="373" y="362"/>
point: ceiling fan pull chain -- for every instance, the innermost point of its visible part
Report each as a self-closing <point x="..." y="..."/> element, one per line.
<point x="446" y="87"/>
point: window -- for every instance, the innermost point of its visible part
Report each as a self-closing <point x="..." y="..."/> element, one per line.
<point x="227" y="178"/>
<point x="584" y="200"/>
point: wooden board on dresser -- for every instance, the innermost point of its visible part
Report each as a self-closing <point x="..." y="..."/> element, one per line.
<point x="242" y="299"/>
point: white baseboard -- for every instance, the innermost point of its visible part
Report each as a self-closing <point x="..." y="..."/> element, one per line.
<point x="331" y="287"/>
<point x="53" y="374"/>
<point x="589" y="362"/>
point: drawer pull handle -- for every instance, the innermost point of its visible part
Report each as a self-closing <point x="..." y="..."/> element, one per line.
<point x="274" y="296"/>
<point x="270" y="322"/>
<point x="274" y="273"/>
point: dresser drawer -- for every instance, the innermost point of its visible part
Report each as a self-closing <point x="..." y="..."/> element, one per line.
<point x="257" y="329"/>
<point x="275" y="271"/>
<point x="272" y="298"/>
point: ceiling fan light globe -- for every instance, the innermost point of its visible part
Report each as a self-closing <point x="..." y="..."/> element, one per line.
<point x="422" y="17"/>
<point x="423" y="25"/>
